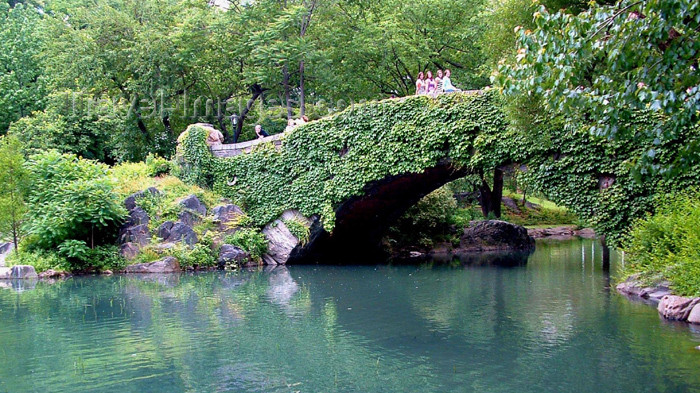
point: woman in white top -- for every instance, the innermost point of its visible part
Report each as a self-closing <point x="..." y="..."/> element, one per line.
<point x="447" y="85"/>
<point x="420" y="84"/>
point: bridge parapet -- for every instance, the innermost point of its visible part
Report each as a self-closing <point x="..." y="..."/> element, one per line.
<point x="234" y="149"/>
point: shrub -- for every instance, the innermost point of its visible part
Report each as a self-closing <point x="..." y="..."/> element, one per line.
<point x="666" y="245"/>
<point x="40" y="259"/>
<point x="250" y="240"/>
<point x="157" y="165"/>
<point x="200" y="255"/>
<point x="71" y="199"/>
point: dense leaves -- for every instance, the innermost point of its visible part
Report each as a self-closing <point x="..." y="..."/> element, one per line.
<point x="71" y="201"/>
<point x="601" y="67"/>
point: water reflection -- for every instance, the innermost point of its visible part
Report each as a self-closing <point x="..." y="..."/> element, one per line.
<point x="473" y="326"/>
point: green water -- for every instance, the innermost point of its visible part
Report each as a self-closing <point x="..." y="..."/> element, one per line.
<point x="552" y="325"/>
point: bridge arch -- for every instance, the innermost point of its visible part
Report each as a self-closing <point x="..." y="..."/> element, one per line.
<point x="354" y="172"/>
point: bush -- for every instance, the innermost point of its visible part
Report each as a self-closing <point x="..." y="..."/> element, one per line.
<point x="41" y="260"/>
<point x="250" y="240"/>
<point x="71" y="199"/>
<point x="666" y="245"/>
<point x="200" y="255"/>
<point x="157" y="165"/>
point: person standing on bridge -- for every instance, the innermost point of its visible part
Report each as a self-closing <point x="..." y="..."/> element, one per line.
<point x="420" y="84"/>
<point x="438" y="83"/>
<point x="260" y="132"/>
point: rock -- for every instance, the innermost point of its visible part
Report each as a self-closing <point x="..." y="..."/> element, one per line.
<point x="510" y="204"/>
<point x="225" y="213"/>
<point x="130" y="201"/>
<point x="193" y="203"/>
<point x="164" y="229"/>
<point x="189" y="218"/>
<point x="532" y="206"/>
<point x="215" y="136"/>
<point x="5" y="250"/>
<point x="561" y="233"/>
<point x="633" y="287"/>
<point x="494" y="235"/>
<point x="5" y="273"/>
<point x="281" y="242"/>
<point x="677" y="308"/>
<point x="107" y="272"/>
<point x="232" y="255"/>
<point x="165" y="265"/>
<point x="21" y="272"/>
<point x="138" y="234"/>
<point x="137" y="216"/>
<point x="694" y="316"/>
<point x="129" y="250"/>
<point x="51" y="274"/>
<point x="181" y="232"/>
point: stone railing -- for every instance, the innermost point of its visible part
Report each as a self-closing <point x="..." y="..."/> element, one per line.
<point x="234" y="149"/>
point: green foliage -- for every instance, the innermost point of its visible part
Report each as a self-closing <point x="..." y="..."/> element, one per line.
<point x="426" y="221"/>
<point x="70" y="124"/>
<point x="157" y="166"/>
<point x="250" y="240"/>
<point x="14" y="185"/>
<point x="323" y="163"/>
<point x="71" y="199"/>
<point x="42" y="260"/>
<point x="200" y="255"/>
<point x="298" y="229"/>
<point x="22" y="89"/>
<point x="666" y="245"/>
<point x="604" y="66"/>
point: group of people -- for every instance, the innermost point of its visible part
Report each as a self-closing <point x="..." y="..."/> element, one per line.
<point x="427" y="85"/>
<point x="292" y="123"/>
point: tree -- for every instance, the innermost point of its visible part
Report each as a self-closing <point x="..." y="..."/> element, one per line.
<point x="14" y="179"/>
<point x="22" y="86"/>
<point x="604" y="66"/>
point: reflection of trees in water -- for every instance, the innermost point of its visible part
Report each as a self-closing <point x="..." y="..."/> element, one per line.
<point x="408" y="328"/>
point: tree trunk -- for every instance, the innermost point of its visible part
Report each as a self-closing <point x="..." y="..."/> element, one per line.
<point x="287" y="98"/>
<point x="302" y="98"/>
<point x="222" y="124"/>
<point x="15" y="229"/>
<point x="490" y="199"/>
<point x="256" y="90"/>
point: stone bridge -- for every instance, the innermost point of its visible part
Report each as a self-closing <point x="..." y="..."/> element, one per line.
<point x="353" y="173"/>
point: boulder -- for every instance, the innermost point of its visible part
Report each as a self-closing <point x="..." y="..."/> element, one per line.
<point x="181" y="232"/>
<point x="163" y="231"/>
<point x="129" y="250"/>
<point x="215" y="136"/>
<point x="633" y="287"/>
<point x="694" y="316"/>
<point x="5" y="250"/>
<point x="193" y="203"/>
<point x="51" y="274"/>
<point x="5" y="273"/>
<point x="165" y="265"/>
<point x="232" y="255"/>
<point x="492" y="235"/>
<point x="130" y="201"/>
<point x="137" y="216"/>
<point x="19" y="272"/>
<point x="138" y="234"/>
<point x="189" y="218"/>
<point x="225" y="213"/>
<point x="677" y="308"/>
<point x="510" y="204"/>
<point x="281" y="242"/>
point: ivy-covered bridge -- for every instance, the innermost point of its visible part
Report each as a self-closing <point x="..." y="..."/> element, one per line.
<point x="353" y="173"/>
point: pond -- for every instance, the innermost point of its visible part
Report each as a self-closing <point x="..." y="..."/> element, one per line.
<point x="552" y="324"/>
